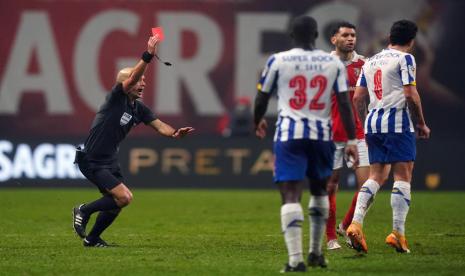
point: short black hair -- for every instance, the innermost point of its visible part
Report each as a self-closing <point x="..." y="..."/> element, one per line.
<point x="402" y="32"/>
<point x="340" y="24"/>
<point x="304" y="29"/>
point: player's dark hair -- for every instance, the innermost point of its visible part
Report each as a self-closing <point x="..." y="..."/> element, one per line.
<point x="304" y="29"/>
<point x="402" y="32"/>
<point x="341" y="24"/>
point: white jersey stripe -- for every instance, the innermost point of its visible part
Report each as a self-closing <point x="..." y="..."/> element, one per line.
<point x="285" y="129"/>
<point x="299" y="129"/>
<point x="384" y="124"/>
<point x="326" y="132"/>
<point x="313" y="130"/>
<point x="374" y="118"/>
<point x="289" y="129"/>
<point x="391" y="121"/>
<point x="412" y="129"/>
<point x="398" y="123"/>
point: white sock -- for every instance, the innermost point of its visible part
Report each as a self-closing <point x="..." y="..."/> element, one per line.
<point x="400" y="203"/>
<point x="365" y="199"/>
<point x="318" y="211"/>
<point x="292" y="217"/>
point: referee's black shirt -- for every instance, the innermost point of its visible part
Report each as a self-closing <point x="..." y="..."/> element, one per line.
<point x="111" y="124"/>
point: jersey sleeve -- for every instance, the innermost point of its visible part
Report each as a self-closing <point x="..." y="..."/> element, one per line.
<point x="362" y="81"/>
<point x="146" y="114"/>
<point x="340" y="83"/>
<point x="408" y="70"/>
<point x="269" y="78"/>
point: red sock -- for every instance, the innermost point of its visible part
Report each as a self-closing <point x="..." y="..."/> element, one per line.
<point x="350" y="213"/>
<point x="331" y="223"/>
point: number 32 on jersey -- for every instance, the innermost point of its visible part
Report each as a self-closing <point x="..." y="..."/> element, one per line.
<point x="299" y="100"/>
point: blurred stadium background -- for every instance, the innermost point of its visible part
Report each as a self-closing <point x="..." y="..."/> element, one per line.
<point x="59" y="59"/>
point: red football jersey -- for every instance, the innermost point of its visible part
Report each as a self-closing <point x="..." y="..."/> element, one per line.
<point x="353" y="71"/>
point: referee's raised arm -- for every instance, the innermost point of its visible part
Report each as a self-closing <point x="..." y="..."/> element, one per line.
<point x="139" y="70"/>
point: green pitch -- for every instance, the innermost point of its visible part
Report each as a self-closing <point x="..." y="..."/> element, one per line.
<point x="215" y="232"/>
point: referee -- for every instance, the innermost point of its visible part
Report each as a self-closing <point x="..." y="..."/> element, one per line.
<point x="98" y="162"/>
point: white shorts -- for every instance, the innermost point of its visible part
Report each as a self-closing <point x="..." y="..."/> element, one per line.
<point x="339" y="155"/>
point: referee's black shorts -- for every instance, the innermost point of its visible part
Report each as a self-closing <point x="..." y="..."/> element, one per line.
<point x="105" y="178"/>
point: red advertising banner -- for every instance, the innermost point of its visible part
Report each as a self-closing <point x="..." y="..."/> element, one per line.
<point x="58" y="59"/>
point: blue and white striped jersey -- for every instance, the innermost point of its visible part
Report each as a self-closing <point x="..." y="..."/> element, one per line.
<point x="304" y="81"/>
<point x="384" y="75"/>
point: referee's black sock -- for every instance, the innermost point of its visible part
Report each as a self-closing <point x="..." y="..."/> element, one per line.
<point x="105" y="203"/>
<point x="104" y="219"/>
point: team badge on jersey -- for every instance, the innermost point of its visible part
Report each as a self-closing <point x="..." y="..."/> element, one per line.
<point x="125" y="119"/>
<point x="411" y="70"/>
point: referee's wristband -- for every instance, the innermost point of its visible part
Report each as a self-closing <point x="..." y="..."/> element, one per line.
<point x="147" y="57"/>
<point x="352" y="142"/>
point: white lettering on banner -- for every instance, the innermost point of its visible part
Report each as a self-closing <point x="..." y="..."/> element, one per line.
<point x="34" y="34"/>
<point x="5" y="163"/>
<point x="22" y="163"/>
<point x="46" y="161"/>
<point x="86" y="57"/>
<point x="65" y="167"/>
<point x="250" y="59"/>
<point x="193" y="72"/>
<point x="45" y="167"/>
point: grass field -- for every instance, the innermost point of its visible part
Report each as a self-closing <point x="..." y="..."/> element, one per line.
<point x="215" y="232"/>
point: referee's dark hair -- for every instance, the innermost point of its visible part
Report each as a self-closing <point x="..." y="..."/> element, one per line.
<point x="402" y="32"/>
<point x="340" y="24"/>
<point x="304" y="29"/>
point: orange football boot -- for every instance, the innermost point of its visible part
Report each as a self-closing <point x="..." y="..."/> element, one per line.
<point x="356" y="236"/>
<point x="397" y="241"/>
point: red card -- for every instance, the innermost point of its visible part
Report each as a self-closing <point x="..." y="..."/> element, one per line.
<point x="158" y="31"/>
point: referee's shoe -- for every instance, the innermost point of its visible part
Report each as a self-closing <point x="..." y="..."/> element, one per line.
<point x="80" y="221"/>
<point x="98" y="242"/>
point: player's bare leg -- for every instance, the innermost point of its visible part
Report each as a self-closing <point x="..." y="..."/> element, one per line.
<point x="292" y="217"/>
<point x="400" y="203"/>
<point x="332" y="188"/>
<point x="378" y="175"/>
<point x="318" y="208"/>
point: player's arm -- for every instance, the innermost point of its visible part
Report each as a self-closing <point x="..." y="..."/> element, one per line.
<point x="168" y="131"/>
<point x="407" y="66"/>
<point x="360" y="96"/>
<point x="260" y="107"/>
<point x="141" y="66"/>
<point x="265" y="87"/>
<point x="347" y="117"/>
<point x="414" y="105"/>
